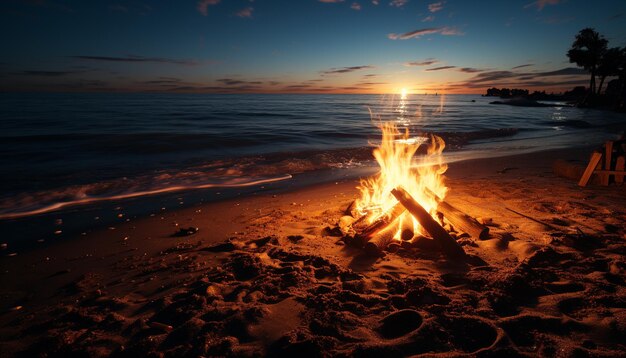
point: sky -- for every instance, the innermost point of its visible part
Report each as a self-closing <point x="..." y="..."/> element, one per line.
<point x="297" y="46"/>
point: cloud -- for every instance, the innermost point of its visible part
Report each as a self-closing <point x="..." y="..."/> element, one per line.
<point x="398" y="3"/>
<point x="375" y="2"/>
<point x="426" y="62"/>
<point x="346" y="69"/>
<point x="470" y="70"/>
<point x="428" y="18"/>
<point x="355" y="6"/>
<point x="560" y="77"/>
<point x="522" y="66"/>
<point x="247" y="12"/>
<point x="203" y="6"/>
<point x="330" y="1"/>
<point x="440" y="68"/>
<point x="46" y="73"/>
<point x="540" y="4"/>
<point x="138" y="59"/>
<point x="447" y="31"/>
<point x="234" y="82"/>
<point x="436" y="6"/>
<point x="371" y="83"/>
<point x="568" y="71"/>
<point x="163" y="81"/>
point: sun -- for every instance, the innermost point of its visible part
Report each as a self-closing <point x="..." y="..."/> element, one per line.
<point x="403" y="93"/>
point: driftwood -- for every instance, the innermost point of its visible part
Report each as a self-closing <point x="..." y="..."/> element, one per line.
<point x="459" y="219"/>
<point x="533" y="219"/>
<point x="447" y="244"/>
<point x="380" y="224"/>
<point x="594" y="164"/>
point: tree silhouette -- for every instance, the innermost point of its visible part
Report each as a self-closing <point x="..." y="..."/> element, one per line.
<point x="609" y="64"/>
<point x="587" y="51"/>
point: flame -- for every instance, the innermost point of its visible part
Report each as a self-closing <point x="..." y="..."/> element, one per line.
<point x="395" y="156"/>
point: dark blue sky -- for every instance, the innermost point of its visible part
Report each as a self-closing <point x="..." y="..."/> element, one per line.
<point x="362" y="46"/>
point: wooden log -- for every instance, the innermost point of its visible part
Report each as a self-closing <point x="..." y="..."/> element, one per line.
<point x="608" y="152"/>
<point x="448" y="245"/>
<point x="406" y="228"/>
<point x="459" y="219"/>
<point x="379" y="243"/>
<point x="381" y="223"/>
<point x="619" y="167"/>
<point x="593" y="163"/>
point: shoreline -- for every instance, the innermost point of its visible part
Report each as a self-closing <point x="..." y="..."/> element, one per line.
<point x="102" y="214"/>
<point x="75" y="221"/>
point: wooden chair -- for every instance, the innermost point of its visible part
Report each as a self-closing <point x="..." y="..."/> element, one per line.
<point x="606" y="162"/>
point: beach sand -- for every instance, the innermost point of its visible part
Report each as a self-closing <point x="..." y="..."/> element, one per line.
<point x="270" y="275"/>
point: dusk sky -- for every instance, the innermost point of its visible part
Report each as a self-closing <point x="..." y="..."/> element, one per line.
<point x="297" y="46"/>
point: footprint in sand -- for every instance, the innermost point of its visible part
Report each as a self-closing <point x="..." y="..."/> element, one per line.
<point x="399" y="323"/>
<point x="471" y="334"/>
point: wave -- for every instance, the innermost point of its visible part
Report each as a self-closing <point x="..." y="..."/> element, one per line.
<point x="46" y="207"/>
<point x="223" y="173"/>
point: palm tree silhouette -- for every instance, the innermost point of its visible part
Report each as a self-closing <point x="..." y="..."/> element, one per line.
<point x="587" y="51"/>
<point x="609" y="65"/>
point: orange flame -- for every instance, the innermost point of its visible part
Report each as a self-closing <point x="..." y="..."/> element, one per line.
<point x="398" y="168"/>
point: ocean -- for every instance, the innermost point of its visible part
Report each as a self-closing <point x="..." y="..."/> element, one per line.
<point x="61" y="151"/>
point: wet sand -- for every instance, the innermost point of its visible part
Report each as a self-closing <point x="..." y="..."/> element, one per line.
<point x="271" y="275"/>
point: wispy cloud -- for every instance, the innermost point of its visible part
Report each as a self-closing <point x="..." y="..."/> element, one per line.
<point x="540" y="4"/>
<point x="398" y="3"/>
<point x="375" y="2"/>
<point x="426" y="62"/>
<point x="563" y="76"/>
<point x="173" y="61"/>
<point x="440" y="68"/>
<point x="355" y="6"/>
<point x="163" y="81"/>
<point x="236" y="82"/>
<point x="330" y="1"/>
<point x="568" y="71"/>
<point x="203" y="6"/>
<point x="447" y="31"/>
<point x="247" y="12"/>
<point x="436" y="6"/>
<point x="45" y="73"/>
<point x="470" y="70"/>
<point x="428" y="18"/>
<point x="346" y="69"/>
<point x="522" y="66"/>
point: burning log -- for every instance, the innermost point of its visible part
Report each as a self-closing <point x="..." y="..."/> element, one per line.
<point x="448" y="245"/>
<point x="379" y="243"/>
<point x="380" y="224"/>
<point x="406" y="229"/>
<point x="459" y="219"/>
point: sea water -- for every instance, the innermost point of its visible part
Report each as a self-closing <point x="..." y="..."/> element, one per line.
<point x="61" y="150"/>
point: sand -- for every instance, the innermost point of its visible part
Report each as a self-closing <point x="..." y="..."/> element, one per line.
<point x="271" y="275"/>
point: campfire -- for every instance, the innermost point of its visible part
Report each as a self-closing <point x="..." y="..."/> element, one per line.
<point x="404" y="205"/>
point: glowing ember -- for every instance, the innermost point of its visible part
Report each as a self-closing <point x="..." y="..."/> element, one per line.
<point x="398" y="168"/>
